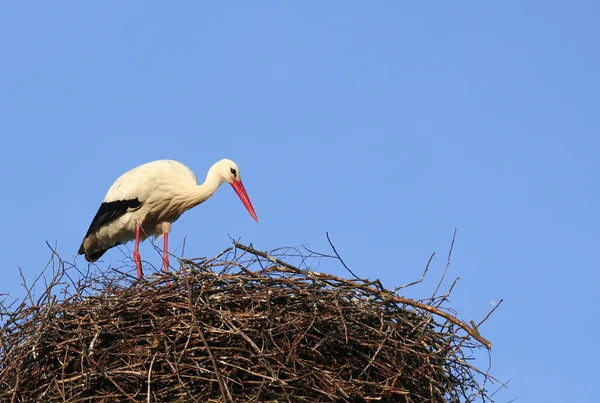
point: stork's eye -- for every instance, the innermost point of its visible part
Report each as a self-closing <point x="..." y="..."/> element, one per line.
<point x="233" y="172"/>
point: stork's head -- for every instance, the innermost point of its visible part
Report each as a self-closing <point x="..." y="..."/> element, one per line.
<point x="230" y="173"/>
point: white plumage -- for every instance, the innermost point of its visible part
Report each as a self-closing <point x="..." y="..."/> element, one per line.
<point x="146" y="200"/>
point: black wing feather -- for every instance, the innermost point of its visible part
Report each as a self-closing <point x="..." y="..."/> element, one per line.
<point x="111" y="211"/>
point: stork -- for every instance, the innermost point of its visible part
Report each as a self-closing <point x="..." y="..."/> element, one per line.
<point x="145" y="202"/>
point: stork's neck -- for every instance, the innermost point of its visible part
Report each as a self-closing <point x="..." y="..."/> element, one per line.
<point x="205" y="190"/>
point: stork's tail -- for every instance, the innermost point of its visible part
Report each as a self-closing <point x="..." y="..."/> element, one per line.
<point x="91" y="257"/>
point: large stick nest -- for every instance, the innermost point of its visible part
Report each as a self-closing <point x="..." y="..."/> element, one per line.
<point x="244" y="326"/>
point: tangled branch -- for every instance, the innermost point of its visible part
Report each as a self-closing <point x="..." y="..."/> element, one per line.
<point x="246" y="325"/>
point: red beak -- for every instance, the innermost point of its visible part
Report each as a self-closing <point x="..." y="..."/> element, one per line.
<point x="241" y="192"/>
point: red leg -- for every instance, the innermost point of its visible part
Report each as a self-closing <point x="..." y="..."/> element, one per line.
<point x="136" y="253"/>
<point x="166" y="251"/>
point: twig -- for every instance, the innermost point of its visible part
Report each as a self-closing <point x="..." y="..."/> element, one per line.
<point x="491" y="312"/>
<point x="338" y="256"/>
<point x="422" y="276"/>
<point x="150" y="379"/>
<point x="447" y="294"/>
<point x="447" y="265"/>
<point x="265" y="255"/>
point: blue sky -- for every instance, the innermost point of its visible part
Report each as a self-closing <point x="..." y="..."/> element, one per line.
<point x="387" y="124"/>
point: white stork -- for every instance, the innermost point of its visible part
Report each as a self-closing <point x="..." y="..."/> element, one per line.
<point x="146" y="200"/>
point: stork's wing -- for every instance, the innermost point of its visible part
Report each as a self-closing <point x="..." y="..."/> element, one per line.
<point x="110" y="211"/>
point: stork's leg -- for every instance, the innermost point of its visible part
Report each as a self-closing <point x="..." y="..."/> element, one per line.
<point x="136" y="253"/>
<point x="166" y="251"/>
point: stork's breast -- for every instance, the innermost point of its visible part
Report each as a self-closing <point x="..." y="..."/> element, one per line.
<point x="165" y="209"/>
